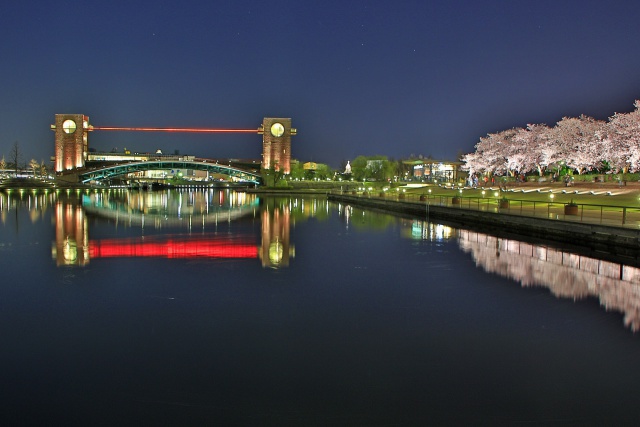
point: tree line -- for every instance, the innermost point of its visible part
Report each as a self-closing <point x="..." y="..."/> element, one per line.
<point x="579" y="144"/>
<point x="362" y="168"/>
<point x="14" y="162"/>
<point x="376" y="168"/>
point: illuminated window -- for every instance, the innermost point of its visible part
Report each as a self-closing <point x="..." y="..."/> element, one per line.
<point x="69" y="126"/>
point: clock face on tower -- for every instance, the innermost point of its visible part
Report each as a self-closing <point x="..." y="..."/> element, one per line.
<point x="277" y="129"/>
<point x="69" y="126"/>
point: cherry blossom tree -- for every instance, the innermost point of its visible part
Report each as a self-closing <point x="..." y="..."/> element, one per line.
<point x="473" y="162"/>
<point x="581" y="143"/>
<point x="496" y="149"/>
<point x="623" y="138"/>
<point x="536" y="148"/>
<point x="578" y="143"/>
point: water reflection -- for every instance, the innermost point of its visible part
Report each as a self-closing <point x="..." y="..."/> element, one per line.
<point x="171" y="208"/>
<point x="188" y="224"/>
<point x="71" y="246"/>
<point x="34" y="201"/>
<point x="359" y="218"/>
<point x="567" y="275"/>
<point x="194" y="210"/>
<point x="425" y="230"/>
<point x="163" y="223"/>
<point x="275" y="248"/>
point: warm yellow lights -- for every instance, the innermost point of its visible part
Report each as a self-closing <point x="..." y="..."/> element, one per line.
<point x="277" y="129"/>
<point x="69" y="126"/>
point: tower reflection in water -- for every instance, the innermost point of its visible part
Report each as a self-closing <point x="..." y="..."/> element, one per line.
<point x="276" y="249"/>
<point x="72" y="237"/>
<point x="204" y="211"/>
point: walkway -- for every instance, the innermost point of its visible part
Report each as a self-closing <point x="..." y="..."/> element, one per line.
<point x="611" y="214"/>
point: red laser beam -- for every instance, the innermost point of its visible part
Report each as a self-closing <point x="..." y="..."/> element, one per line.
<point x="195" y="130"/>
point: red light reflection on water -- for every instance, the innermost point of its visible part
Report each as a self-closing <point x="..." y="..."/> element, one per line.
<point x="173" y="248"/>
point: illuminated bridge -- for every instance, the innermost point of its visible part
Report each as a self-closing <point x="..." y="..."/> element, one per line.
<point x="72" y="150"/>
<point x="108" y="172"/>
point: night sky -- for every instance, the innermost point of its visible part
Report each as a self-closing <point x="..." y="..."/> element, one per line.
<point x="357" y="77"/>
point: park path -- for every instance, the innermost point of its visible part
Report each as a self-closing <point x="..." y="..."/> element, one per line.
<point x="614" y="215"/>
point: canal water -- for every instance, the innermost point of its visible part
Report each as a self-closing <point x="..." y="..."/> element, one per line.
<point x="212" y="307"/>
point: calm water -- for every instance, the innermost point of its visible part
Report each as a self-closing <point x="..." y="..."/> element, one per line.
<point x="219" y="308"/>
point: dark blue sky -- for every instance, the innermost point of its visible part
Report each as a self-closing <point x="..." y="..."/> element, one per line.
<point x="357" y="77"/>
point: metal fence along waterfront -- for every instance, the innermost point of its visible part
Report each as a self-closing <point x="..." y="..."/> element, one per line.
<point x="612" y="215"/>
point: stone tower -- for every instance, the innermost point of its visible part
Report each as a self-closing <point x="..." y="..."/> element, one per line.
<point x="71" y="144"/>
<point x="276" y="143"/>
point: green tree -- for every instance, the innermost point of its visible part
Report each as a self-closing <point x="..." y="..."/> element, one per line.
<point x="390" y="169"/>
<point x="323" y="171"/>
<point x="359" y="168"/>
<point x="272" y="177"/>
<point x="379" y="168"/>
<point x="297" y="170"/>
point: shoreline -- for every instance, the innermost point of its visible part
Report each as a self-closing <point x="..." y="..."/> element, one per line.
<point x="613" y="240"/>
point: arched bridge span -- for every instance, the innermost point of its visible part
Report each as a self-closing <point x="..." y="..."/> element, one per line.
<point x="109" y="172"/>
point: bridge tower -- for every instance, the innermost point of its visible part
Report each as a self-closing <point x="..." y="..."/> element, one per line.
<point x="71" y="143"/>
<point x="276" y="143"/>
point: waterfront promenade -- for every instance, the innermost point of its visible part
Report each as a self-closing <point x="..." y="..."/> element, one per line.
<point x="529" y="210"/>
<point x="595" y="203"/>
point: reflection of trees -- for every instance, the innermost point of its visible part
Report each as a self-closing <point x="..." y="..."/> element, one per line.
<point x="365" y="219"/>
<point x="301" y="208"/>
<point x="566" y="275"/>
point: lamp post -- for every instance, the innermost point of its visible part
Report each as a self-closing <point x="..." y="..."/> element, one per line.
<point x="559" y="168"/>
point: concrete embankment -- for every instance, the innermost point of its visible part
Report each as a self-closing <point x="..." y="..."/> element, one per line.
<point x="614" y="240"/>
